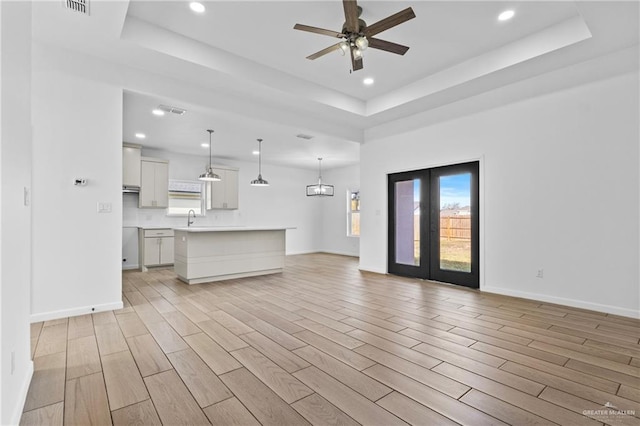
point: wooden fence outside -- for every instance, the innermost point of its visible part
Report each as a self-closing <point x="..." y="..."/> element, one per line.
<point x="451" y="227"/>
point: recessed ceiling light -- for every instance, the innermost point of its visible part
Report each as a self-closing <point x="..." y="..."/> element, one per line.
<point x="196" y="7"/>
<point x="255" y="152"/>
<point x="368" y="81"/>
<point x="140" y="135"/>
<point x="204" y="145"/>
<point x="506" y="15"/>
<point x="158" y="112"/>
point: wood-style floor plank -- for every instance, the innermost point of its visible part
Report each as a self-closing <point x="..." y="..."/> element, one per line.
<point x="148" y="355"/>
<point x="434" y="400"/>
<point x="82" y="357"/>
<point x="513" y="396"/>
<point x="411" y="411"/>
<point x="351" y="377"/>
<point x="221" y="335"/>
<point x="230" y="323"/>
<point x="319" y="411"/>
<point x="261" y="401"/>
<point x="328" y="333"/>
<point x="86" y="401"/>
<point x="51" y="415"/>
<point x="337" y="351"/>
<point x="131" y="324"/>
<point x="123" y="380"/>
<point x="48" y="381"/>
<point x="281" y="356"/>
<point x="212" y="354"/>
<point x="172" y="400"/>
<point x="230" y="412"/>
<point x="282" y="383"/>
<point x="420" y="374"/>
<point x="203" y="384"/>
<point x="80" y="326"/>
<point x="142" y="413"/>
<point x="502" y="410"/>
<point x="180" y="323"/>
<point x="110" y="339"/>
<point x="349" y="401"/>
<point x="53" y="339"/>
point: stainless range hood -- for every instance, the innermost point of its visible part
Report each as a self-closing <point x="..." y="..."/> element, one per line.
<point x="130" y="189"/>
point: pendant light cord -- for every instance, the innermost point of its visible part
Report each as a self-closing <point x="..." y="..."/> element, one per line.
<point x="260" y="158"/>
<point x="210" y="158"/>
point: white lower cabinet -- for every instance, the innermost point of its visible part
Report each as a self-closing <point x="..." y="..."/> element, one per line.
<point x="156" y="247"/>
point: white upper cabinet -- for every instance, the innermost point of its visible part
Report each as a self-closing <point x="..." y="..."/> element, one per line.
<point x="131" y="155"/>
<point x="223" y="195"/>
<point x="154" y="183"/>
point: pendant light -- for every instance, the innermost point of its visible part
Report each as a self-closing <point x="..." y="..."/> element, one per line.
<point x="209" y="175"/>
<point x="320" y="189"/>
<point x="259" y="181"/>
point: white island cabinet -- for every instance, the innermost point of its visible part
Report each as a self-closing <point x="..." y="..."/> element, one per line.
<point x="217" y="253"/>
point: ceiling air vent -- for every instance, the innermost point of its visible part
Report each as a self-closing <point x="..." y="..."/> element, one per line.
<point x="81" y="6"/>
<point x="303" y="136"/>
<point x="175" y="110"/>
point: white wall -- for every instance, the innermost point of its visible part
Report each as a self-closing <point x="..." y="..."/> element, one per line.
<point x="282" y="203"/>
<point x="76" y="250"/>
<point x="334" y="211"/>
<point x="15" y="219"/>
<point x="559" y="190"/>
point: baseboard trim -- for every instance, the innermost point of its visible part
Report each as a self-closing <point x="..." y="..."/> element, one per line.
<point x="22" y="396"/>
<point x="72" y="312"/>
<point x="340" y="253"/>
<point x="295" y="253"/>
<point x="374" y="270"/>
<point x="615" y="310"/>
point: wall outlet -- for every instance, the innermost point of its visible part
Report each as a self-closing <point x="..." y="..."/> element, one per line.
<point x="13" y="362"/>
<point x="540" y="273"/>
<point x="27" y="196"/>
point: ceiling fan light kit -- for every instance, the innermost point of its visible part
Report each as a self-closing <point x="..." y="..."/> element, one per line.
<point x="356" y="36"/>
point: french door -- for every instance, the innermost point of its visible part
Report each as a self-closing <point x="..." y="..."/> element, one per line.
<point x="433" y="224"/>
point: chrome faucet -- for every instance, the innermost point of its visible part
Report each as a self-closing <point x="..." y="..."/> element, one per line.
<point x="189" y="221"/>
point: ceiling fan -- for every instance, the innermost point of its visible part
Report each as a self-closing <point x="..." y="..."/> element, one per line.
<point x="356" y="35"/>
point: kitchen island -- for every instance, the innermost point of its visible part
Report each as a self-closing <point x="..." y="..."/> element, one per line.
<point x="205" y="254"/>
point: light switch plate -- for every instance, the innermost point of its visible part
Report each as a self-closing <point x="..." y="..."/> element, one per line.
<point x="104" y="207"/>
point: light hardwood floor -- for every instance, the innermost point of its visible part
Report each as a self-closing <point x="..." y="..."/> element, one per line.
<point x="323" y="343"/>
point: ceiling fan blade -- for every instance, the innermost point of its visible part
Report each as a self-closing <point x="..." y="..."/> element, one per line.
<point x="351" y="15"/>
<point x="324" y="51"/>
<point x="389" y="22"/>
<point x="388" y="46"/>
<point x="356" y="64"/>
<point x="318" y="30"/>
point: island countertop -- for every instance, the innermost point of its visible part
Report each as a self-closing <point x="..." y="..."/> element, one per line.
<point x="232" y="228"/>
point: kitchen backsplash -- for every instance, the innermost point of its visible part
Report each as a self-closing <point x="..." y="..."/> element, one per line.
<point x="133" y="216"/>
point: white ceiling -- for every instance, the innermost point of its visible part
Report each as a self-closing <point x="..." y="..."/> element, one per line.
<point x="240" y="68"/>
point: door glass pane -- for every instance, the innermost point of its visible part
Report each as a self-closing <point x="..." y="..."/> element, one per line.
<point x="407" y="223"/>
<point x="455" y="222"/>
